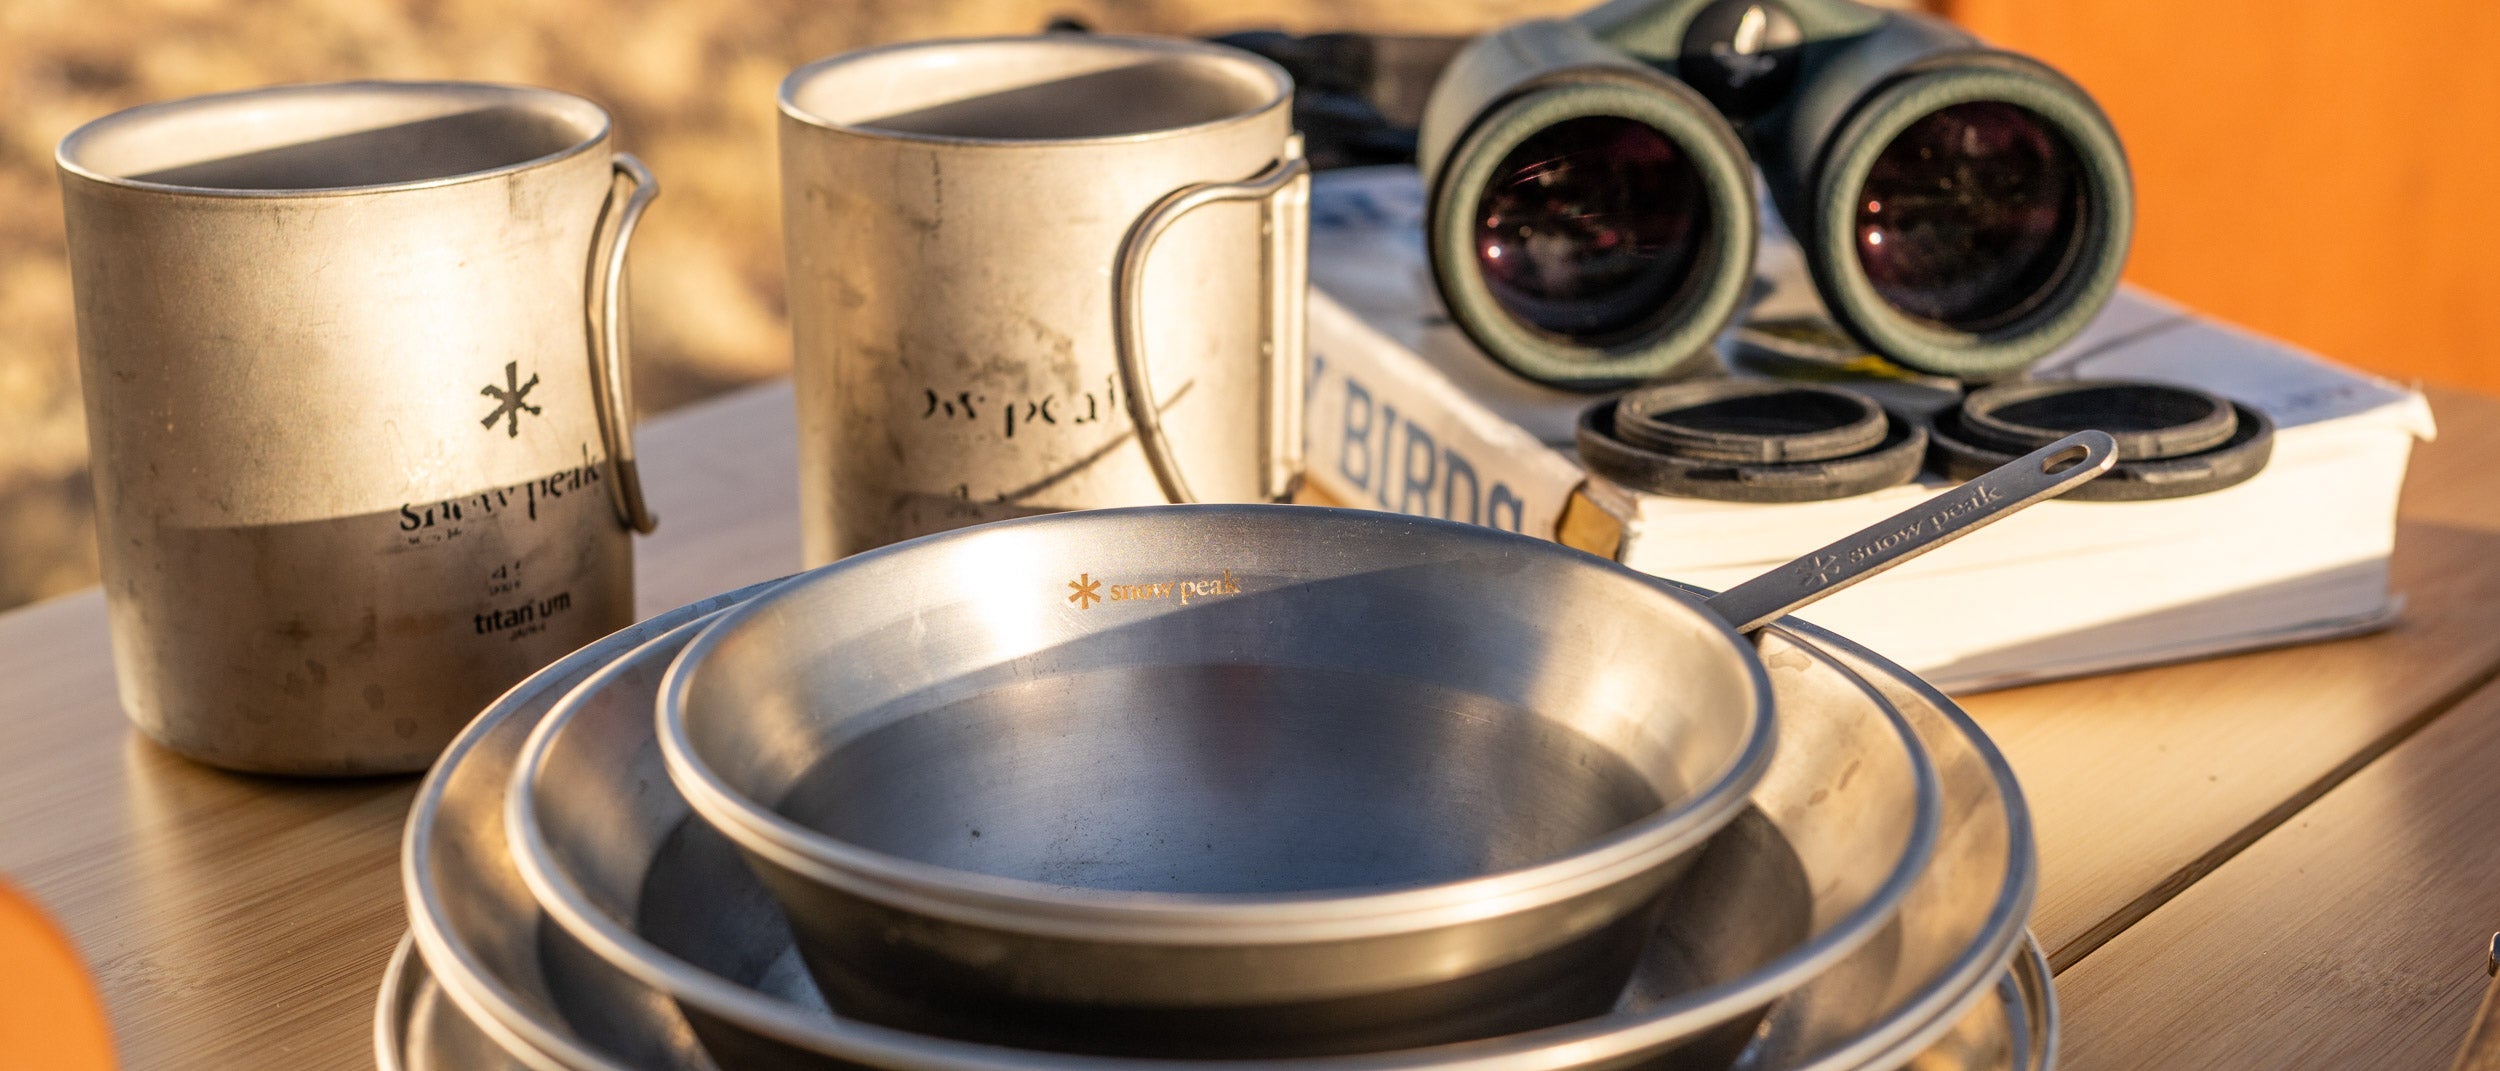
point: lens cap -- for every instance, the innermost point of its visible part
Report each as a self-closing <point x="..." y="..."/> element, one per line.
<point x="1754" y="421"/>
<point x="2153" y="423"/>
<point x="1716" y="439"/>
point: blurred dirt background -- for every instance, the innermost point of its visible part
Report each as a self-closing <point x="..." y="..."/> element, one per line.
<point x="690" y="81"/>
<point x="2236" y="120"/>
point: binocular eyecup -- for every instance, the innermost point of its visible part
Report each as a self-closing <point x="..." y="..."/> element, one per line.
<point x="1595" y="225"/>
<point x="1592" y="217"/>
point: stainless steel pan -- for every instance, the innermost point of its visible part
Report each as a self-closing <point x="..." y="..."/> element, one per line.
<point x="1243" y="781"/>
<point x="500" y="960"/>
<point x="1835" y="837"/>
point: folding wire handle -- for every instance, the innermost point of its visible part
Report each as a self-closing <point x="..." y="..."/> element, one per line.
<point x="1284" y="217"/>
<point x="609" y="379"/>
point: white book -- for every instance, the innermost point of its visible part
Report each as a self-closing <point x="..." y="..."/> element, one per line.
<point x="1406" y="415"/>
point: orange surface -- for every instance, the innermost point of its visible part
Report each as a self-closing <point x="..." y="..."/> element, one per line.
<point x="2326" y="171"/>
<point x="49" y="1015"/>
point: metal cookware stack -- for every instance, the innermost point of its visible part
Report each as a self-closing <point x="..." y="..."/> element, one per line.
<point x="1298" y="788"/>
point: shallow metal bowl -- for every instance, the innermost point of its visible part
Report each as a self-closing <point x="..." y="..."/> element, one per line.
<point x="495" y="953"/>
<point x="1834" y="838"/>
<point x="468" y="912"/>
<point x="1897" y="993"/>
<point x="1219" y="780"/>
<point x="417" y="1028"/>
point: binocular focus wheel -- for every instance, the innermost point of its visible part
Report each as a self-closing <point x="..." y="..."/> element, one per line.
<point x="2066" y="303"/>
<point x="1678" y="328"/>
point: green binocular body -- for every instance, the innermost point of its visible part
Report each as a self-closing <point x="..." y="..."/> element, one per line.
<point x="1963" y="210"/>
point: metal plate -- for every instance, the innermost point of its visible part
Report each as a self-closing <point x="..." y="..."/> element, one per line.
<point x="417" y="1029"/>
<point x="1876" y="1005"/>
<point x="1834" y="840"/>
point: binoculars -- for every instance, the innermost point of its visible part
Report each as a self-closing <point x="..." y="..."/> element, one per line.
<point x="1592" y="217"/>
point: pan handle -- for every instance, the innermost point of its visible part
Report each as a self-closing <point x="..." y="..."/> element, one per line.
<point x="609" y="376"/>
<point x="2042" y="474"/>
<point x="1284" y="195"/>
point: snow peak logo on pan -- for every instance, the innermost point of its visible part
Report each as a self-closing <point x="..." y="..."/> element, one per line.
<point x="1086" y="590"/>
<point x="1836" y="565"/>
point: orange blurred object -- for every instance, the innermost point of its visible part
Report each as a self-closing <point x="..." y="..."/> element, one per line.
<point x="2328" y="173"/>
<point x="49" y="1014"/>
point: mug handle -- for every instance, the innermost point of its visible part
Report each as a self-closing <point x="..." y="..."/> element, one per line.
<point x="609" y="379"/>
<point x="1284" y="193"/>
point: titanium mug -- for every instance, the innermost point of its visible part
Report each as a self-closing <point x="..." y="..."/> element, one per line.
<point x="353" y="359"/>
<point x="1032" y="274"/>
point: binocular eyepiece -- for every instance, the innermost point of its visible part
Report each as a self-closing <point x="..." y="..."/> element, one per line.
<point x="1592" y="219"/>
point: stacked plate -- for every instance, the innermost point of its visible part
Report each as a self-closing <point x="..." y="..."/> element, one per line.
<point x="1309" y="790"/>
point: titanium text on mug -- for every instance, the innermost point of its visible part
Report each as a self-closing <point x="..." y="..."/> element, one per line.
<point x="353" y="360"/>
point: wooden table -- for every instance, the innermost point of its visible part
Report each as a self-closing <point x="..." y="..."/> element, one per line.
<point x="2279" y="860"/>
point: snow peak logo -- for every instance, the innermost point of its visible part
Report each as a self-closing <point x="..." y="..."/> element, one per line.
<point x="1086" y="590"/>
<point x="1837" y="565"/>
<point x="432" y="522"/>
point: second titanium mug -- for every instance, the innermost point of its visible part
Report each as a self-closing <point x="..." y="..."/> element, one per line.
<point x="353" y="364"/>
<point x="1040" y="273"/>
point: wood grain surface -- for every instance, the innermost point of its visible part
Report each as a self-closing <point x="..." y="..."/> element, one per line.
<point x="239" y="922"/>
<point x="231" y="921"/>
<point x="242" y="922"/>
<point x="2142" y="782"/>
<point x="2481" y="1051"/>
<point x="2354" y="936"/>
